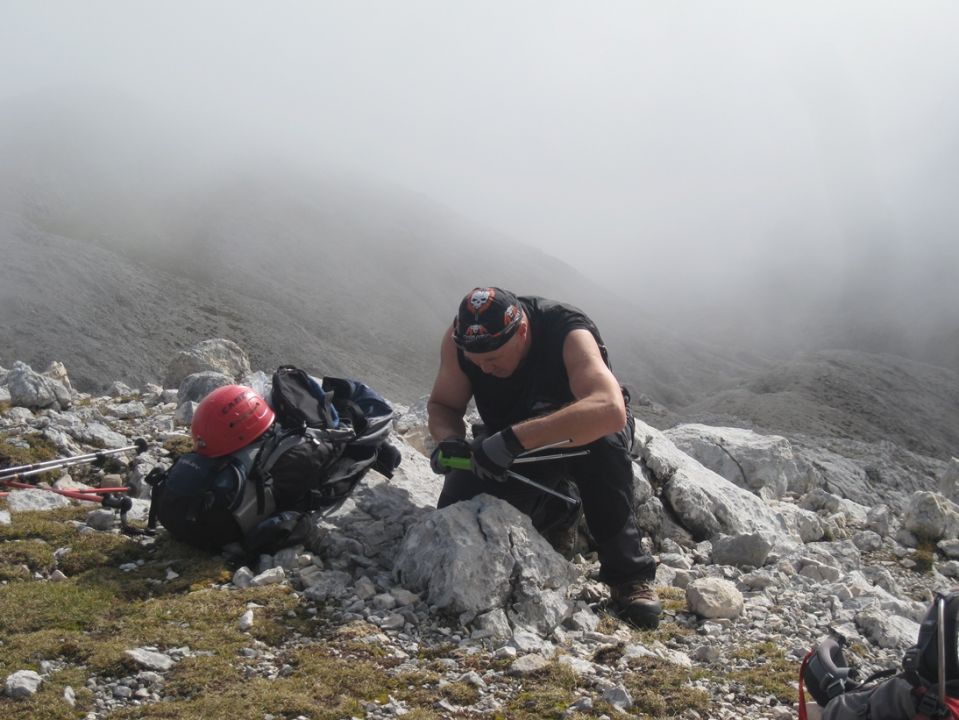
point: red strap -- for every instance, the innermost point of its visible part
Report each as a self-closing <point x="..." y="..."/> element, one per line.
<point x="802" y="693"/>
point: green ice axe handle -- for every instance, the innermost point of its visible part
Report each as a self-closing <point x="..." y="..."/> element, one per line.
<point x="455" y="462"/>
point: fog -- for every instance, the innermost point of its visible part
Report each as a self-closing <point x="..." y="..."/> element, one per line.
<point x="747" y="170"/>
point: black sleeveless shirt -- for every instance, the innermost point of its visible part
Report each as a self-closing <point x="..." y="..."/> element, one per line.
<point x="540" y="384"/>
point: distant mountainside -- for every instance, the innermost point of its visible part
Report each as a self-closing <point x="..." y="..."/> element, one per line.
<point x="846" y="394"/>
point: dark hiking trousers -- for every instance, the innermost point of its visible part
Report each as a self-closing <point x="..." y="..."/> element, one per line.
<point x="604" y="481"/>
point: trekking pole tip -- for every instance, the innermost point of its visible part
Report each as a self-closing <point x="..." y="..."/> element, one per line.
<point x="141" y="445"/>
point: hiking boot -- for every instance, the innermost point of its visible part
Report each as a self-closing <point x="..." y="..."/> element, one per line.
<point x="637" y="602"/>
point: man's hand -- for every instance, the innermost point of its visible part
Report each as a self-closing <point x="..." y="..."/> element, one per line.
<point x="451" y="447"/>
<point x="492" y="456"/>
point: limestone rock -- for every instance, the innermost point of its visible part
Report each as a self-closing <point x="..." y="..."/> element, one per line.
<point x="713" y="597"/>
<point x="30" y="389"/>
<point x="706" y="503"/>
<point x="23" y="684"/>
<point x="216" y="355"/>
<point x="746" y="458"/>
<point x="481" y="554"/>
<point x="949" y="480"/>
<point x="930" y="516"/>
<point x="741" y="550"/>
<point x="197" y="386"/>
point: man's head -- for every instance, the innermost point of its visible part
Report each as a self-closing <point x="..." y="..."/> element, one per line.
<point x="492" y="330"/>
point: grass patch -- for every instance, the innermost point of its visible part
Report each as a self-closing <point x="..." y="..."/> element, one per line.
<point x="38" y="449"/>
<point x="770" y="672"/>
<point x="672" y="598"/>
<point x="547" y="694"/>
<point x="661" y="689"/>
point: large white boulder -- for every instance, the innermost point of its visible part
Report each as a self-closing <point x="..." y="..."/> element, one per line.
<point x="706" y="503"/>
<point x="930" y="516"/>
<point x="750" y="460"/>
<point x="30" y="389"/>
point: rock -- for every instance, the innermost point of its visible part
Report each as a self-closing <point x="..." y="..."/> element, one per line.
<point x="29" y="500"/>
<point x="804" y="523"/>
<point x="741" y="550"/>
<point x="197" y="386"/>
<point x="618" y="697"/>
<point x="56" y="370"/>
<point x="23" y="683"/>
<point x="930" y="516"/>
<point x="128" y="411"/>
<point x="184" y="413"/>
<point x="880" y="520"/>
<point x="99" y="435"/>
<point x="101" y="519"/>
<point x="246" y="620"/>
<point x="119" y="389"/>
<point x="750" y="460"/>
<point x="948" y="483"/>
<point x="217" y="355"/>
<point x="243" y="577"/>
<point x="706" y="503"/>
<point x="494" y="625"/>
<point x="150" y="658"/>
<point x="32" y="390"/>
<point x="474" y="556"/>
<point x="272" y="576"/>
<point x="887" y="631"/>
<point x="325" y="584"/>
<point x="714" y="598"/>
<point x="528" y="664"/>
<point x="4" y="517"/>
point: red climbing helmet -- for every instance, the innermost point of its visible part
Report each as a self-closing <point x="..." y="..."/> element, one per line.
<point x="229" y="418"/>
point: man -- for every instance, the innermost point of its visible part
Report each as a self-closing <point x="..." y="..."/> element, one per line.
<point x="539" y="374"/>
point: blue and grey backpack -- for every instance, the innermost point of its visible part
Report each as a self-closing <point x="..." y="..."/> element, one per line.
<point x="325" y="438"/>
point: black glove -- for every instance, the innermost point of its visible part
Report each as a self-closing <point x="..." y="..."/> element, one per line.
<point x="452" y="446"/>
<point x="493" y="455"/>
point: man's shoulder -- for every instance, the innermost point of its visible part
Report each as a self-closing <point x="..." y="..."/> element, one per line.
<point x="553" y="315"/>
<point x="545" y="306"/>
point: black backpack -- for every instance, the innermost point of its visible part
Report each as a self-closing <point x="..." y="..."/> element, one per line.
<point x="924" y="688"/>
<point x="326" y="437"/>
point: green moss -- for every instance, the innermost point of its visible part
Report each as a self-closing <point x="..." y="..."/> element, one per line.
<point x="547" y="695"/>
<point x="38" y="449"/>
<point x="662" y="690"/>
<point x="460" y="693"/>
<point x="673" y="599"/>
<point x="178" y="446"/>
<point x="770" y="672"/>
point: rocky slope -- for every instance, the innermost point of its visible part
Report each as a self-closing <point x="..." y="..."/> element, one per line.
<point x="761" y="552"/>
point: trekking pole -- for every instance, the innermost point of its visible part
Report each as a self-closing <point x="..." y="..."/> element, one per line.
<point x="941" y="647"/>
<point x="140" y="445"/>
<point x="532" y="483"/>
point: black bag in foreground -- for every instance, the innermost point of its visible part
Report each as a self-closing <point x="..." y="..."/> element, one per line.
<point x="927" y="686"/>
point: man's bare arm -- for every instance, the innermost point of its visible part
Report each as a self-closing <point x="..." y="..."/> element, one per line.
<point x="599" y="408"/>
<point x="450" y="395"/>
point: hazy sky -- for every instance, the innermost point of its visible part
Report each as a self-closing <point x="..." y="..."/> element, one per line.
<point x="691" y="148"/>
